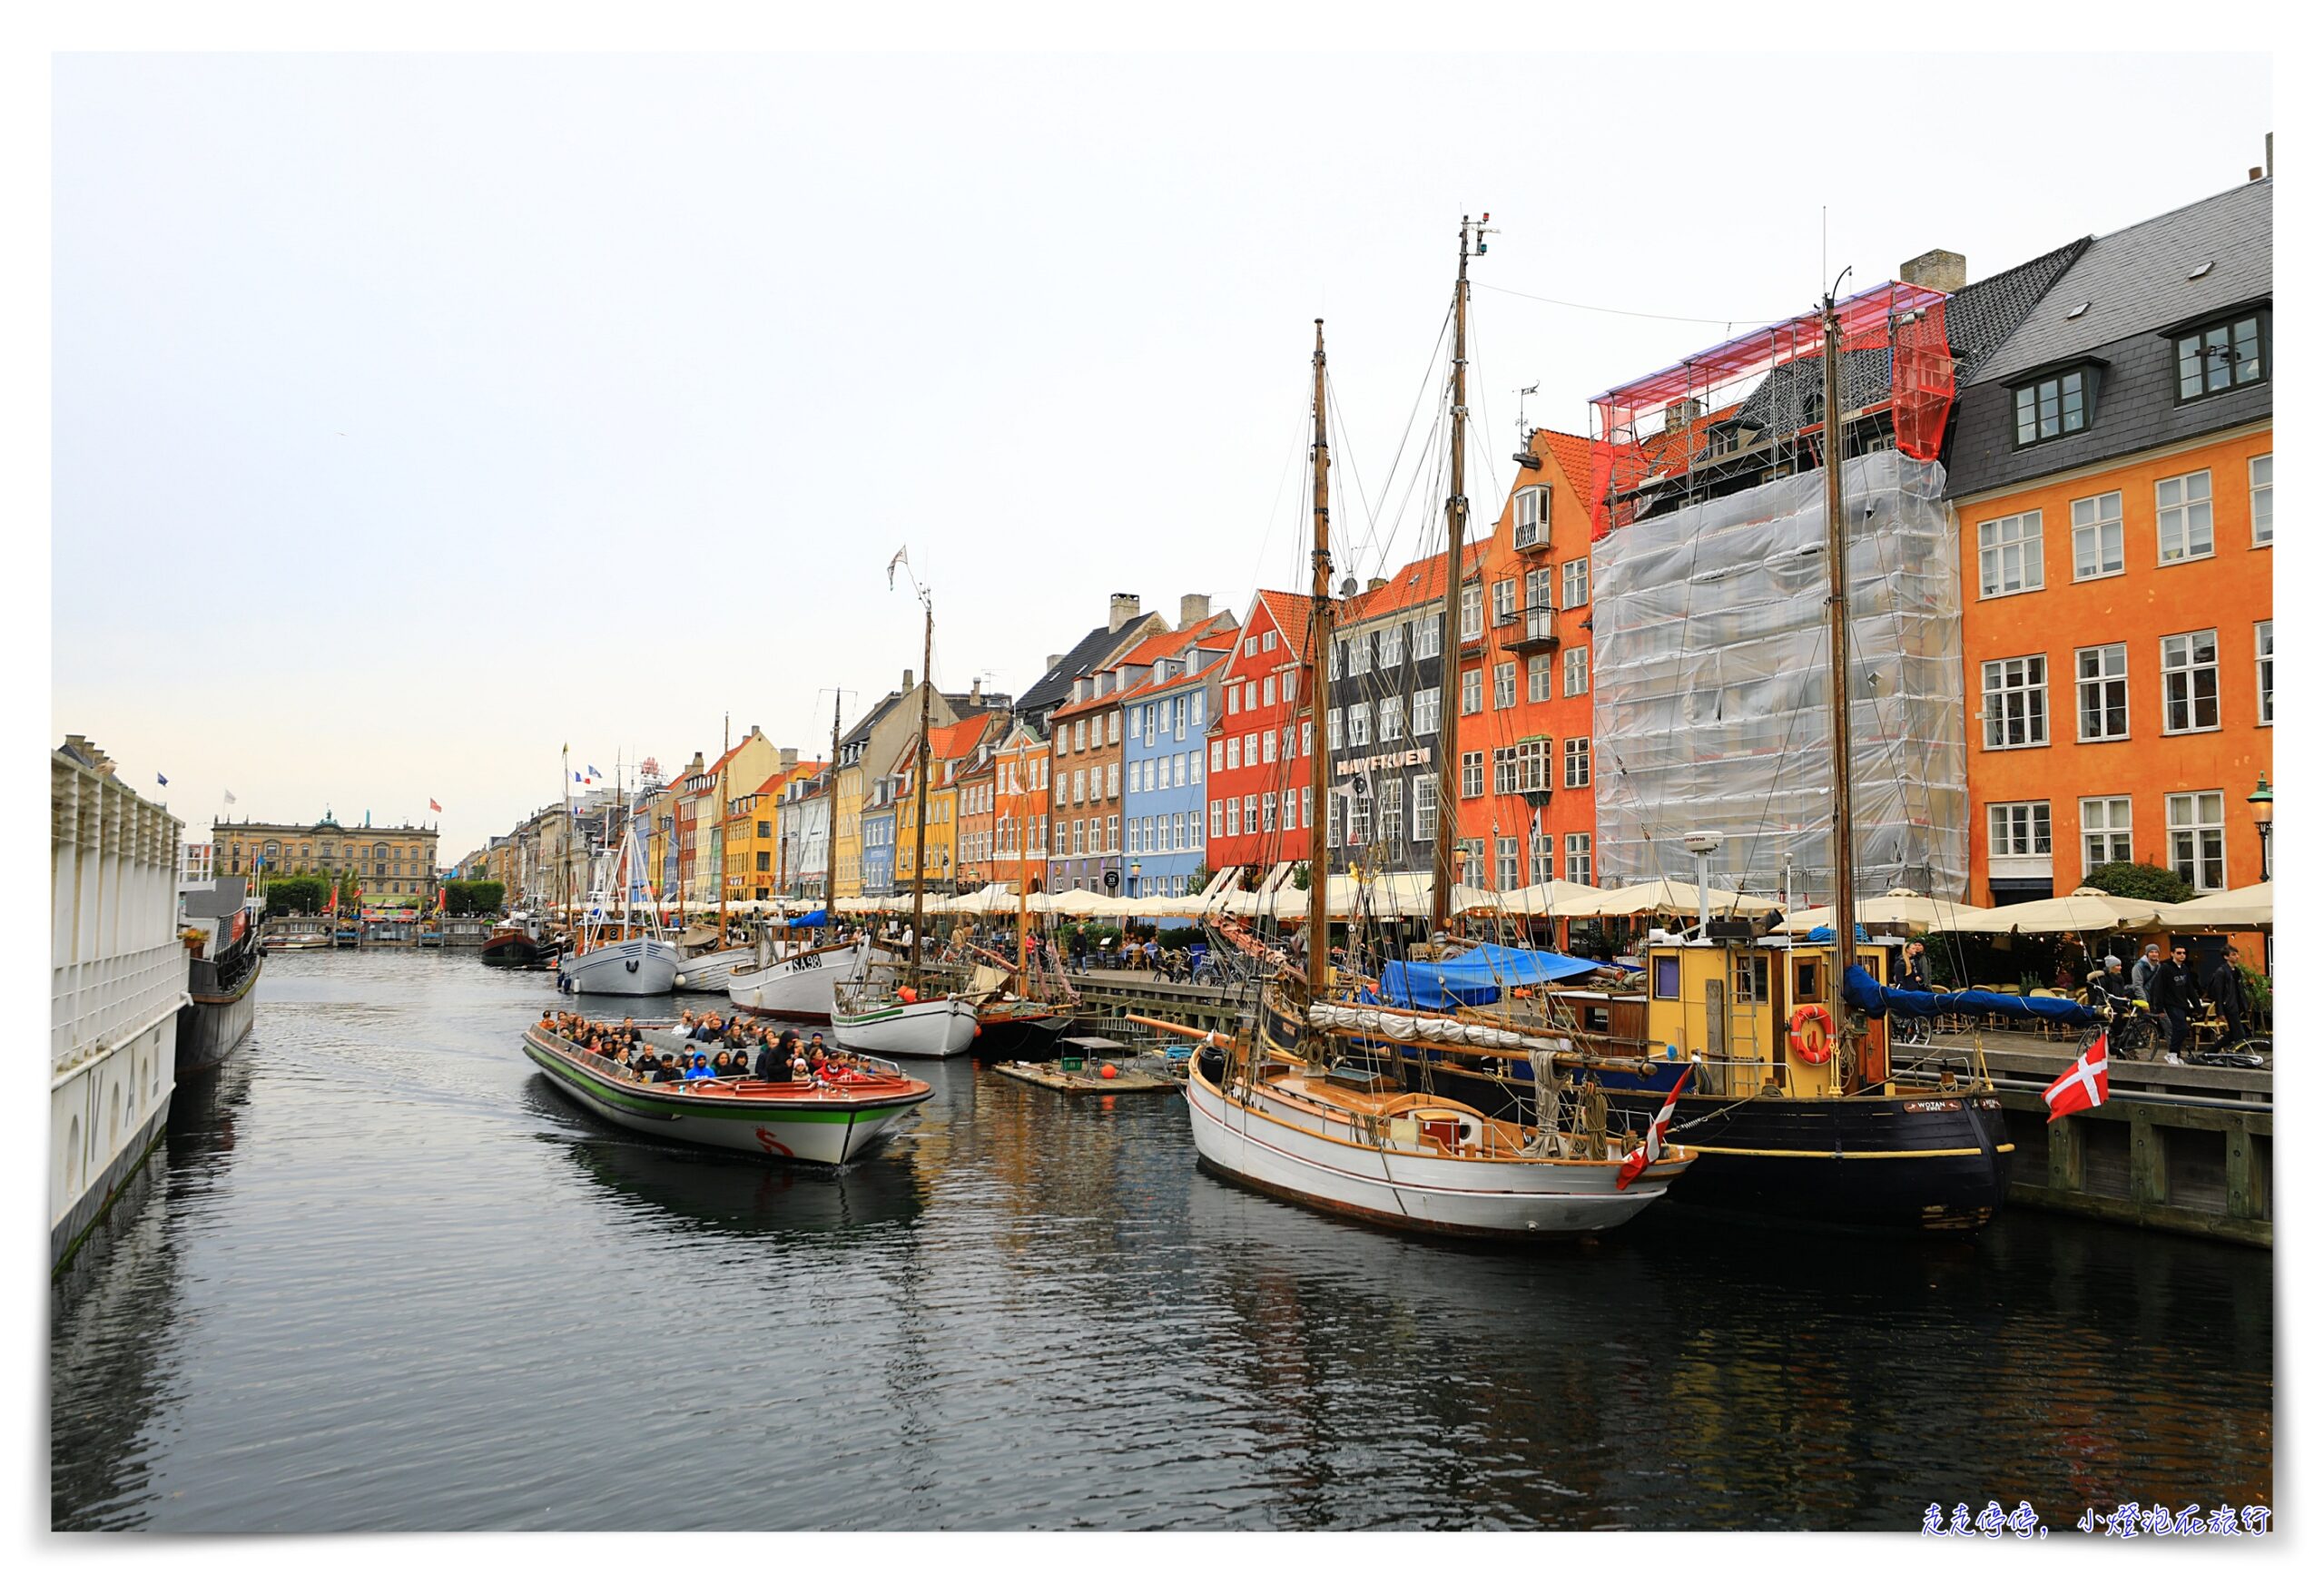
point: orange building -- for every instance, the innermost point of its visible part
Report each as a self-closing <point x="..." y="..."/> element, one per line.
<point x="2113" y="472"/>
<point x="1526" y="751"/>
<point x="1020" y="811"/>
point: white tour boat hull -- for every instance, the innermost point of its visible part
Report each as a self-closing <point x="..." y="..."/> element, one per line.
<point x="798" y="987"/>
<point x="928" y="1029"/>
<point x="1259" y="1143"/>
<point x="712" y="971"/>
<point x="633" y="967"/>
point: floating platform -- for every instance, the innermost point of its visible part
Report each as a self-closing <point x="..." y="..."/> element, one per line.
<point x="1047" y="1075"/>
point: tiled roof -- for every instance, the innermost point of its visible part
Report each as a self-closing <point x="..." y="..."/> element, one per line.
<point x="2136" y="280"/>
<point x="1413" y="583"/>
<point x="1151" y="685"/>
<point x="950" y="741"/>
<point x="1289" y="610"/>
<point x="1056" y="684"/>
<point x="1980" y="316"/>
<point x="1571" y="454"/>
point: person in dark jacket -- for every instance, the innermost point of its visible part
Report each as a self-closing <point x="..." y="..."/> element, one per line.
<point x="2170" y="993"/>
<point x="2224" y="985"/>
<point x="1912" y="969"/>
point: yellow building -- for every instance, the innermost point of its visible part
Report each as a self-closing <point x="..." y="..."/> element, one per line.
<point x="951" y="749"/>
<point x="393" y="863"/>
<point x="753" y="851"/>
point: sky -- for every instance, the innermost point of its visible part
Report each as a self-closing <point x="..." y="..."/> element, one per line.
<point x="415" y="415"/>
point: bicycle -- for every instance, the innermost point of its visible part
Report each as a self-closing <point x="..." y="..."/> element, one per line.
<point x="2131" y="1028"/>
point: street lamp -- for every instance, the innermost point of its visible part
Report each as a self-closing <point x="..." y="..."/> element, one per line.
<point x="1133" y="876"/>
<point x="2263" y="815"/>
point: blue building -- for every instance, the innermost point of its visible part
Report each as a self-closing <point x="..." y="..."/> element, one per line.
<point x="1163" y="720"/>
<point x="880" y="838"/>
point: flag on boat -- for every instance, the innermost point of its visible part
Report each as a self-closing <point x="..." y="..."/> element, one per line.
<point x="2083" y="1085"/>
<point x="892" y="562"/>
<point x="433" y="806"/>
<point x="1650" y="1147"/>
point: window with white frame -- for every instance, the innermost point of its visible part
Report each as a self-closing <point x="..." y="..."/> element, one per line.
<point x="1472" y="612"/>
<point x="1290" y="687"/>
<point x="2263" y="500"/>
<point x="1577" y="670"/>
<point x="1331" y="817"/>
<point x="1266" y="747"/>
<point x="2098" y="535"/>
<point x="1251" y="748"/>
<point x="1428" y="637"/>
<point x="2017" y="830"/>
<point x="2182" y="518"/>
<point x="1250" y="695"/>
<point x="1577" y="762"/>
<point x="1217" y="755"/>
<point x="1113" y="831"/>
<point x="1114" y="779"/>
<point x="1541" y="678"/>
<point x="1233" y="752"/>
<point x="1216" y="815"/>
<point x="1234" y="816"/>
<point x="1267" y="640"/>
<point x="2009" y="554"/>
<point x="1473" y="774"/>
<point x="1391" y="646"/>
<point x="1577" y="858"/>
<point x="1235" y="696"/>
<point x="1306" y="807"/>
<point x="1391" y="719"/>
<point x="1359" y="653"/>
<point x="1308" y="737"/>
<point x="1266" y="693"/>
<point x="2101" y="680"/>
<point x="2106" y="831"/>
<point x="1577" y="583"/>
<point x="1359" y="725"/>
<point x="2017" y="702"/>
<point x="1532" y="521"/>
<point x="1505" y="684"/>
<point x="1504" y="601"/>
<point x="1472" y="861"/>
<point x="1535" y="763"/>
<point x="2196" y="822"/>
<point x="1424" y="711"/>
<point x="1542" y="864"/>
<point x="1391" y="809"/>
<point x="1472" y="692"/>
<point x="1266" y="811"/>
<point x="2263" y="650"/>
<point x="1359" y="816"/>
<point x="1423" y="808"/>
<point x="1505" y="861"/>
<point x="1504" y="771"/>
<point x="2190" y="682"/>
<point x="1540" y="599"/>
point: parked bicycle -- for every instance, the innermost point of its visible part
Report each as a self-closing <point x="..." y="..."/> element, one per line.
<point x="2131" y="1028"/>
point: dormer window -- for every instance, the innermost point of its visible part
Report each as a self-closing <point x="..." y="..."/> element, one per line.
<point x="1533" y="517"/>
<point x="2054" y="405"/>
<point x="2222" y="356"/>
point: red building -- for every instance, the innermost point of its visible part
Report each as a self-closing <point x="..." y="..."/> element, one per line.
<point x="1261" y="740"/>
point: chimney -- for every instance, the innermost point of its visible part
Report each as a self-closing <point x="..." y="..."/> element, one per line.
<point x="1677" y="415"/>
<point x="2256" y="173"/>
<point x="789" y="758"/>
<point x="1193" y="610"/>
<point x="976" y="691"/>
<point x="907" y="679"/>
<point x="1052" y="663"/>
<point x="1937" y="269"/>
<point x="1123" y="609"/>
<point x="1374" y="585"/>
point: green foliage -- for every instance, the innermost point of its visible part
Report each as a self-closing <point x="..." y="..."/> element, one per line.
<point x="300" y="893"/>
<point x="1177" y="938"/>
<point x="2142" y="880"/>
<point x="466" y="898"/>
<point x="2258" y="994"/>
<point x="1299" y="876"/>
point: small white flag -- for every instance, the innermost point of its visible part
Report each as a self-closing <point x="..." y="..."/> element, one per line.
<point x="229" y="796"/>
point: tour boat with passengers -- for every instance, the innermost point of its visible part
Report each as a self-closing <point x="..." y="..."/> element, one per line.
<point x="827" y="1120"/>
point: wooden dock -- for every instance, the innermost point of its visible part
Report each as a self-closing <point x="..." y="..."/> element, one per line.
<point x="1047" y="1076"/>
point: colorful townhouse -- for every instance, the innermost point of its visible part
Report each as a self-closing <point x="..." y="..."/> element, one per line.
<point x="804" y="851"/>
<point x="1086" y="770"/>
<point x="1260" y="795"/>
<point x="1382" y="719"/>
<point x="973" y="781"/>
<point x="1166" y="713"/>
<point x="947" y="747"/>
<point x="1020" y="814"/>
<point x="1527" y="801"/>
<point x="877" y="827"/>
<point x="2113" y="470"/>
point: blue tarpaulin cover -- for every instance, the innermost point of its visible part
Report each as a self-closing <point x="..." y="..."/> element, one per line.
<point x="1476" y="978"/>
<point x="815" y="919"/>
<point x="1867" y="995"/>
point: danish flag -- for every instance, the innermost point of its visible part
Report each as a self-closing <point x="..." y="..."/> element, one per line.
<point x="2081" y="1086"/>
<point x="1650" y="1147"/>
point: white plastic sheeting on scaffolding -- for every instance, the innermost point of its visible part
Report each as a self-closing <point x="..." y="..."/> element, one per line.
<point x="1711" y="673"/>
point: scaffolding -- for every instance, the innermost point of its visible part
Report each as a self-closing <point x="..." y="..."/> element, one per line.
<point x="1711" y="669"/>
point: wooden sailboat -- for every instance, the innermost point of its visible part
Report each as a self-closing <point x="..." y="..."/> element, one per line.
<point x="1797" y="1106"/>
<point x="898" y="1018"/>
<point x="1307" y="1105"/>
<point x="1022" y="1018"/>
<point x="793" y="978"/>
<point x="610" y="957"/>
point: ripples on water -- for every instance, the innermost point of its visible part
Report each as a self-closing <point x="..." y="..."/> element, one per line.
<point x="383" y="1276"/>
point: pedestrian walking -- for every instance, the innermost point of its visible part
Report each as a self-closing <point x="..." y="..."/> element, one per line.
<point x="2171" y="992"/>
<point x="2224" y="987"/>
<point x="2142" y="972"/>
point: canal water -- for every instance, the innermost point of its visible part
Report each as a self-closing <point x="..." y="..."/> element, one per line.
<point x="381" y="1275"/>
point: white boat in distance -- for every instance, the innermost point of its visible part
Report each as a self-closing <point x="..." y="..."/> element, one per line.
<point x="621" y="966"/>
<point x="713" y="970"/>
<point x="798" y="986"/>
<point x="875" y="1017"/>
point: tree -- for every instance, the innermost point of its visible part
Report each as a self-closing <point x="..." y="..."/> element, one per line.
<point x="300" y="893"/>
<point x="2144" y="881"/>
<point x="463" y="898"/>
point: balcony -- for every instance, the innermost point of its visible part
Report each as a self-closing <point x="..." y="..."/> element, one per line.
<point x="1538" y="632"/>
<point x="1531" y="538"/>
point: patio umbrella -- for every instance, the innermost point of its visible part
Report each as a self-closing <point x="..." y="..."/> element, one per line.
<point x="1897" y="909"/>
<point x="2252" y="907"/>
<point x="1676" y="896"/>
<point x="2084" y="909"/>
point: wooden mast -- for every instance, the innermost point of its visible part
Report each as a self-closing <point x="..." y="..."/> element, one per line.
<point x="919" y="782"/>
<point x="1456" y="522"/>
<point x="1319" y="621"/>
<point x="830" y="819"/>
<point x="1024" y="788"/>
<point x="725" y="747"/>
<point x="1835" y="554"/>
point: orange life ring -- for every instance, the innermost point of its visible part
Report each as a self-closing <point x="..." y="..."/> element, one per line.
<point x="1820" y="1051"/>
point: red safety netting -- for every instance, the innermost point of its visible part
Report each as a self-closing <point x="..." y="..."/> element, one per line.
<point x="1674" y="419"/>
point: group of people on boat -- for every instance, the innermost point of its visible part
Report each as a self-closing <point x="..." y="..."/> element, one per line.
<point x="717" y="1047"/>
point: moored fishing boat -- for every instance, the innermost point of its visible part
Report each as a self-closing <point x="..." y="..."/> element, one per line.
<point x="220" y="920"/>
<point x="517" y="942"/>
<point x="827" y="1122"/>
<point x="603" y="966"/>
<point x="797" y="983"/>
<point x="898" y="1022"/>
<point x="711" y="971"/>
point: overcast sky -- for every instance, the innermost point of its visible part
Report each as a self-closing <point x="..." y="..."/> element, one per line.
<point x="415" y="415"/>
